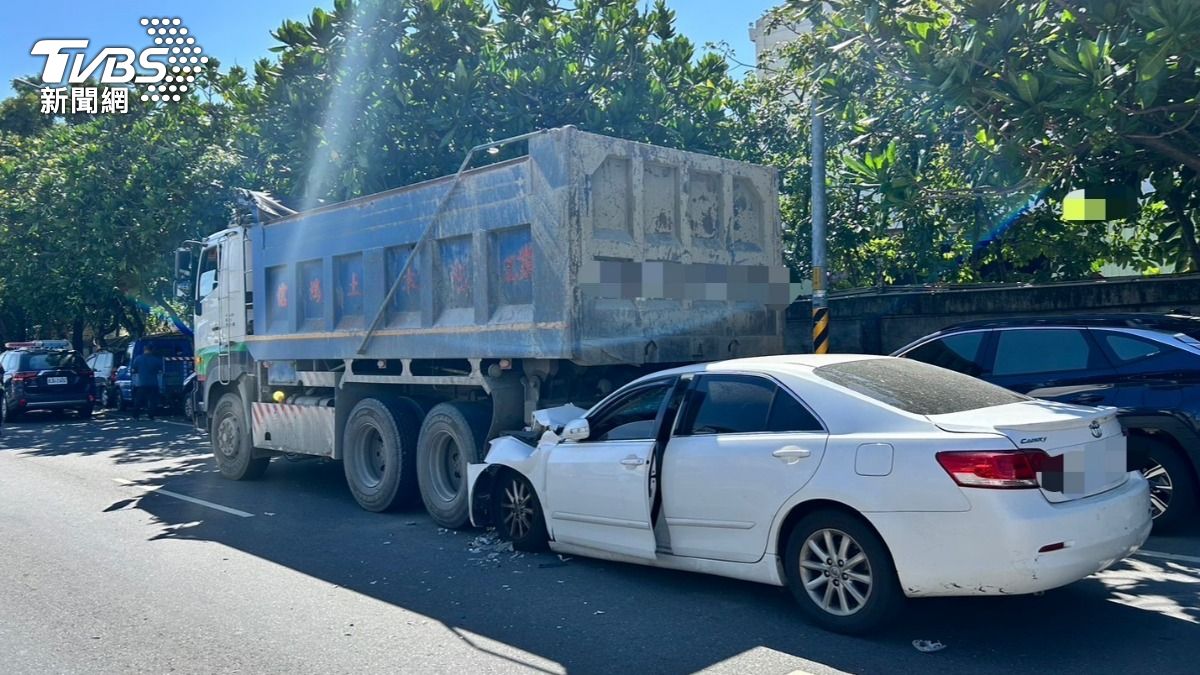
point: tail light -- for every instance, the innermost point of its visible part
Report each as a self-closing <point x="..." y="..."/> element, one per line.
<point x="994" y="469"/>
<point x="25" y="376"/>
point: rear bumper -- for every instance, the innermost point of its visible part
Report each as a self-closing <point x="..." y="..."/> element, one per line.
<point x="51" y="403"/>
<point x="993" y="549"/>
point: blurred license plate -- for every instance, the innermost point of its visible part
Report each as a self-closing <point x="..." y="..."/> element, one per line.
<point x="56" y="380"/>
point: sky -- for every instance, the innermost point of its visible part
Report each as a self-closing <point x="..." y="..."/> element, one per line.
<point x="238" y="31"/>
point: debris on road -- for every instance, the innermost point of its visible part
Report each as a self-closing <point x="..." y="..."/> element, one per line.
<point x="928" y="646"/>
<point x="491" y="547"/>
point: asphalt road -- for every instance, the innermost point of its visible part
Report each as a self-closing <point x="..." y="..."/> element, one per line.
<point x="121" y="550"/>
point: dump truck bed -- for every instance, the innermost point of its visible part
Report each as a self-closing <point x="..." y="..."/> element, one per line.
<point x="588" y="248"/>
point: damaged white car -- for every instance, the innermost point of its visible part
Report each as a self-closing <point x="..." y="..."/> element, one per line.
<point x="856" y="481"/>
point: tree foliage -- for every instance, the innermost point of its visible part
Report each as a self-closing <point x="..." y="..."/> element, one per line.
<point x="956" y="118"/>
<point x="375" y="94"/>
<point x="955" y="129"/>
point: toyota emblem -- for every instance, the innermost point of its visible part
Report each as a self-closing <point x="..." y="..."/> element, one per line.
<point x="1095" y="427"/>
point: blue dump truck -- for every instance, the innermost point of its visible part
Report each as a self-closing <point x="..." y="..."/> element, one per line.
<point x="400" y="332"/>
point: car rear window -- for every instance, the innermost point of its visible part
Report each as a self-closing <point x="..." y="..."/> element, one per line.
<point x="52" y="361"/>
<point x="916" y="387"/>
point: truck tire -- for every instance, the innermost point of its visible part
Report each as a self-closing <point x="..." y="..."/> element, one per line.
<point x="379" y="447"/>
<point x="231" y="442"/>
<point x="453" y="436"/>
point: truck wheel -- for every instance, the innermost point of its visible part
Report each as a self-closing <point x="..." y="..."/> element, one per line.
<point x="452" y="437"/>
<point x="232" y="445"/>
<point x="1172" y="486"/>
<point x="379" y="448"/>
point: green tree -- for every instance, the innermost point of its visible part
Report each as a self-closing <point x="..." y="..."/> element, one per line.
<point x="374" y="94"/>
<point x="1022" y="99"/>
<point x="90" y="212"/>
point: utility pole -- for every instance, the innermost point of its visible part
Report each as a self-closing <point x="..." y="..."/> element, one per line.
<point x="820" y="306"/>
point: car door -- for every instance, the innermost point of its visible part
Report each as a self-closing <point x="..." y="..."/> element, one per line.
<point x="598" y="490"/>
<point x="1058" y="364"/>
<point x="1154" y="373"/>
<point x="742" y="446"/>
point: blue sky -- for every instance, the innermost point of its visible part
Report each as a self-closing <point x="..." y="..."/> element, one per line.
<point x="237" y="31"/>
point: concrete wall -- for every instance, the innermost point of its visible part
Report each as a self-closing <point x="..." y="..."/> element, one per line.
<point x="876" y="321"/>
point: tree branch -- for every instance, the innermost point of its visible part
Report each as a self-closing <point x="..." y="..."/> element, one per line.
<point x="1166" y="149"/>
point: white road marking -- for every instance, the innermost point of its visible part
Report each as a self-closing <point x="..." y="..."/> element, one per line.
<point x="176" y="495"/>
<point x="1176" y="557"/>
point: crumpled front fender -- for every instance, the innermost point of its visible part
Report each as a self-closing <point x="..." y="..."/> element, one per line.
<point x="505" y="451"/>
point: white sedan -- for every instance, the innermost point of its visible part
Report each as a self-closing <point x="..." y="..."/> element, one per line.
<point x="854" y="480"/>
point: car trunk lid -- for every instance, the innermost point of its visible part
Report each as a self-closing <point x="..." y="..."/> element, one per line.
<point x="1085" y="446"/>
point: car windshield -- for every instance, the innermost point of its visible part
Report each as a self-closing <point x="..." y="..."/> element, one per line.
<point x="53" y="361"/>
<point x="916" y="387"/>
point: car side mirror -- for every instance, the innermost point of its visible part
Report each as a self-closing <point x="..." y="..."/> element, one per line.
<point x="577" y="430"/>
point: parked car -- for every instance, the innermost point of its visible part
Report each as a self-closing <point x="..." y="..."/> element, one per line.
<point x="1145" y="365"/>
<point x="178" y="365"/>
<point x="37" y="378"/>
<point x="857" y="481"/>
<point x="104" y="365"/>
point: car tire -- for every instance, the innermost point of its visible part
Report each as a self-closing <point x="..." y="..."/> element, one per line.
<point x="1172" y="483"/>
<point x="189" y="406"/>
<point x="867" y="568"/>
<point x="231" y="442"/>
<point x="518" y="513"/>
<point x="452" y="436"/>
<point x="379" y="446"/>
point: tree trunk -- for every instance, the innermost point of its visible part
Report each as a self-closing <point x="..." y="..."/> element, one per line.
<point x="1176" y="202"/>
<point x="77" y="334"/>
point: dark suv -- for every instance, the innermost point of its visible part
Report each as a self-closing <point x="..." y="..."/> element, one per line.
<point x="46" y="379"/>
<point x="1145" y="365"/>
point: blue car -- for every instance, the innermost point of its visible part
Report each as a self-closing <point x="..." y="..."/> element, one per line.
<point x="178" y="366"/>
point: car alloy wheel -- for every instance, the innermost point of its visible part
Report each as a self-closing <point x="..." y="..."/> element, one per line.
<point x="517" y="514"/>
<point x="516" y="509"/>
<point x="1161" y="488"/>
<point x="835" y="572"/>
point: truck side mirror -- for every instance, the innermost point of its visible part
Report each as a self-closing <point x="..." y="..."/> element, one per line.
<point x="183" y="288"/>
<point x="183" y="263"/>
<point x="577" y="430"/>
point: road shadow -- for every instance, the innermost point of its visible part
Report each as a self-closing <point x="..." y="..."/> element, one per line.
<point x="126" y="440"/>
<point x="594" y="616"/>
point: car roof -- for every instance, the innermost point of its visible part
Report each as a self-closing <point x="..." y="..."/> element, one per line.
<point x="1175" y="322"/>
<point x="763" y="364"/>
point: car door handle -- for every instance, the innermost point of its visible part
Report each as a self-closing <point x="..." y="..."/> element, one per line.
<point x="791" y="454"/>
<point x="633" y="461"/>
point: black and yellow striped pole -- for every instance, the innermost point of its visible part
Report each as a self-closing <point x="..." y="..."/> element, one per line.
<point x="820" y="329"/>
<point x="820" y="308"/>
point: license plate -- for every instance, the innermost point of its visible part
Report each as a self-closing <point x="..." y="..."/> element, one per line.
<point x="56" y="380"/>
